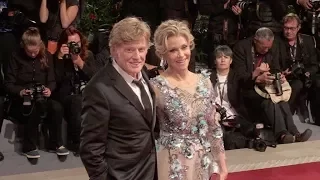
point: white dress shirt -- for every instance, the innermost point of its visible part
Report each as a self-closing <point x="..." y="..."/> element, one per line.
<point x="129" y="79"/>
<point x="221" y="88"/>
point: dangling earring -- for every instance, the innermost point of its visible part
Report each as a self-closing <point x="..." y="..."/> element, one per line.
<point x="163" y="63"/>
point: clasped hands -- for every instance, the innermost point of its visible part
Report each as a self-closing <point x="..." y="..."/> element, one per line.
<point x="46" y="92"/>
<point x="262" y="75"/>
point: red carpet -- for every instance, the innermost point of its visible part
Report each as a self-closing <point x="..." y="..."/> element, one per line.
<point x="309" y="171"/>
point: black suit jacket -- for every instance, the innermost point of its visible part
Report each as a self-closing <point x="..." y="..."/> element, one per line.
<point x="306" y="53"/>
<point x="243" y="61"/>
<point x="233" y="90"/>
<point x="117" y="140"/>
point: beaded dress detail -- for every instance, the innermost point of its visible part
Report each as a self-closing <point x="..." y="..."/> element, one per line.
<point x="190" y="137"/>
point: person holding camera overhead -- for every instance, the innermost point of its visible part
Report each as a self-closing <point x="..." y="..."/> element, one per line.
<point x="29" y="82"/>
<point x="74" y="66"/>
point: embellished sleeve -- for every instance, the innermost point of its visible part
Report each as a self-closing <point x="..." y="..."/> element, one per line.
<point x="215" y="133"/>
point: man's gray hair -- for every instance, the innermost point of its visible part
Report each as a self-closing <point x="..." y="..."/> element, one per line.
<point x="264" y="33"/>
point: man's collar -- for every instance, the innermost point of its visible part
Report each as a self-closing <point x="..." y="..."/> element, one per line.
<point x="128" y="78"/>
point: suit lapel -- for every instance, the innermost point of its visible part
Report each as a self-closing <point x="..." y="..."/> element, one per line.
<point x="121" y="85"/>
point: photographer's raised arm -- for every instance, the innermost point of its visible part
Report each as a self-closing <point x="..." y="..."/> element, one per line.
<point x="44" y="12"/>
<point x="10" y="78"/>
<point x="68" y="15"/>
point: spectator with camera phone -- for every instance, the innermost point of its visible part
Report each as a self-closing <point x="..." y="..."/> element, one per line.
<point x="74" y="67"/>
<point x="255" y="58"/>
<point x="299" y="63"/>
<point x="58" y="15"/>
<point x="29" y="81"/>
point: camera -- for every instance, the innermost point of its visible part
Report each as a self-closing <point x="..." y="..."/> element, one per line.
<point x="315" y="4"/>
<point x="36" y="95"/>
<point x="298" y="71"/>
<point x="79" y="87"/>
<point x="74" y="48"/>
<point x="222" y="111"/>
<point x="277" y="83"/>
<point x="257" y="144"/>
<point x="241" y="3"/>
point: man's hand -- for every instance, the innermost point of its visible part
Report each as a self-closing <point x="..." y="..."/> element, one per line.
<point x="236" y="10"/>
<point x="283" y="78"/>
<point x="265" y="78"/>
<point x="46" y="92"/>
<point x="305" y="3"/>
<point x="264" y="67"/>
<point x="286" y="72"/>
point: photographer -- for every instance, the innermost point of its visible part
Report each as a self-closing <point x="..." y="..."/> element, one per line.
<point x="255" y="58"/>
<point x="74" y="66"/>
<point x="226" y="84"/>
<point x="29" y="81"/>
<point x="299" y="63"/>
<point x="58" y="15"/>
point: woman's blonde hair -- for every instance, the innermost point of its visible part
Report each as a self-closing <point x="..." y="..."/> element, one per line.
<point x="32" y="37"/>
<point x="168" y="29"/>
<point x="127" y="30"/>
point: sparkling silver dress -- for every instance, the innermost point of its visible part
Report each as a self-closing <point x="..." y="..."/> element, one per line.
<point x="190" y="136"/>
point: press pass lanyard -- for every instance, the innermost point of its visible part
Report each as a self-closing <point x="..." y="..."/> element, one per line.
<point x="221" y="92"/>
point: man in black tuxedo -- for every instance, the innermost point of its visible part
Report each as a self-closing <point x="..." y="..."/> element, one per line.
<point x="118" y="115"/>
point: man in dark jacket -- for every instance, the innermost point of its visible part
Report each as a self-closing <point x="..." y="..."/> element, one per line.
<point x="255" y="58"/>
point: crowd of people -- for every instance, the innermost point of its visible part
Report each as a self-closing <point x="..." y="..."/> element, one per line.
<point x="140" y="111"/>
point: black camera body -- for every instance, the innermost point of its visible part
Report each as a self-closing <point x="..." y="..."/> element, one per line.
<point x="315" y="4"/>
<point x="298" y="71"/>
<point x="222" y="111"/>
<point x="257" y="144"/>
<point x="36" y="94"/>
<point x="79" y="87"/>
<point x="277" y="83"/>
<point x="243" y="4"/>
<point x="74" y="48"/>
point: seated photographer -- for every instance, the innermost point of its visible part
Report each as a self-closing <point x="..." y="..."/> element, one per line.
<point x="227" y="87"/>
<point x="29" y="81"/>
<point x="299" y="63"/>
<point x="254" y="59"/>
<point x="74" y="67"/>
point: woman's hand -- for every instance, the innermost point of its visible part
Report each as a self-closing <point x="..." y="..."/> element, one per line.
<point x="77" y="60"/>
<point x="223" y="175"/>
<point x="24" y="92"/>
<point x="46" y="92"/>
<point x="63" y="51"/>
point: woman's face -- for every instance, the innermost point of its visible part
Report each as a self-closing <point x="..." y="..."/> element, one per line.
<point x="75" y="38"/>
<point x="223" y="62"/>
<point x="32" y="51"/>
<point x="178" y="53"/>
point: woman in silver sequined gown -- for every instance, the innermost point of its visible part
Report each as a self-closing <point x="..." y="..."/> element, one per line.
<point x="190" y="146"/>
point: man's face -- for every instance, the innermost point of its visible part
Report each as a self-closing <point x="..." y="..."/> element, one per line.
<point x="131" y="56"/>
<point x="291" y="29"/>
<point x="262" y="46"/>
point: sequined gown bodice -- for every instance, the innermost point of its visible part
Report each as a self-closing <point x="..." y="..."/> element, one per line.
<point x="190" y="137"/>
